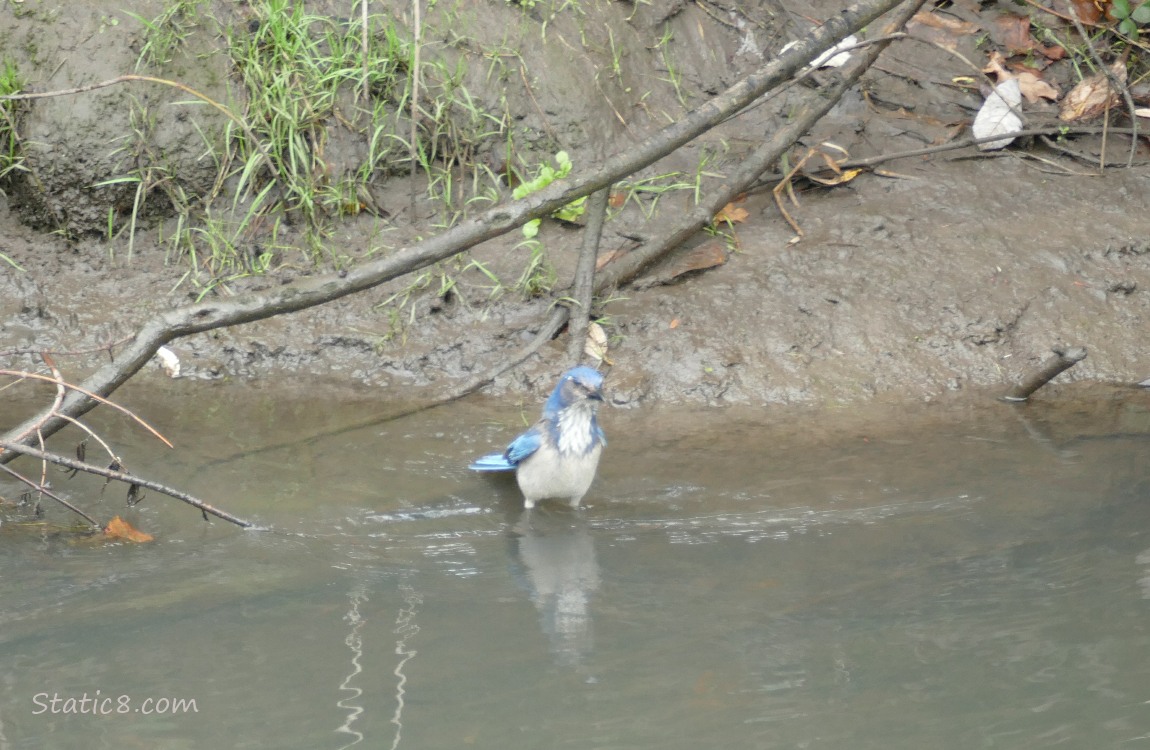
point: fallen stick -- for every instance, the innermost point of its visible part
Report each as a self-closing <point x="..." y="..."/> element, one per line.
<point x="1063" y="359"/>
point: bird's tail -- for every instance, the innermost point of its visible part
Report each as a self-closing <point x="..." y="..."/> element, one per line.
<point x="492" y="462"/>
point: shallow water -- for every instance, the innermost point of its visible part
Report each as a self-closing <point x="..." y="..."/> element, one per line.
<point x="951" y="578"/>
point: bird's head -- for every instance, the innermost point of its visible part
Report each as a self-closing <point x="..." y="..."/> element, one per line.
<point x="577" y="384"/>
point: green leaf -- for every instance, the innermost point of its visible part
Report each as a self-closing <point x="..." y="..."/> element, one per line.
<point x="564" y="162"/>
<point x="572" y="210"/>
<point x="1128" y="27"/>
<point x="1141" y="14"/>
<point x="531" y="228"/>
<point x="1120" y="8"/>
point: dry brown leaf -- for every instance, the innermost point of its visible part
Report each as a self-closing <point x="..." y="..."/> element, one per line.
<point x="606" y="258"/>
<point x="996" y="65"/>
<point x="841" y="178"/>
<point x="731" y="214"/>
<point x="946" y="23"/>
<point x="1092" y="96"/>
<point x="616" y="199"/>
<point x="1013" y="33"/>
<point x="674" y="323"/>
<point x="596" y="344"/>
<point x="1029" y="83"/>
<point x="1034" y="88"/>
<point x="707" y="255"/>
<point x="893" y="175"/>
<point x="1088" y="11"/>
<point x="945" y="31"/>
<point x="118" y="528"/>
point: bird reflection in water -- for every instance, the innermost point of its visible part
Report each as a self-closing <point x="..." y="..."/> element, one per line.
<point x="558" y="567"/>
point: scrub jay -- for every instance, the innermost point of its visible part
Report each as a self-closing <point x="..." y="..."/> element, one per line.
<point x="557" y="457"/>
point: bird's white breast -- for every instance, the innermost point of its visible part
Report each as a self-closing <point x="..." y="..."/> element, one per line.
<point x="576" y="437"/>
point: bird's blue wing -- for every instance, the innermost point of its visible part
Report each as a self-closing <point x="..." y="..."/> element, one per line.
<point x="524" y="445"/>
<point x="520" y="448"/>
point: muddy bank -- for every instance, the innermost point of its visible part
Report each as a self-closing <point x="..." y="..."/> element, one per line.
<point x="958" y="276"/>
<point x="950" y="274"/>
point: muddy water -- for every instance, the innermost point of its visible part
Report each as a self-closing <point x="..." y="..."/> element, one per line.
<point x="953" y="578"/>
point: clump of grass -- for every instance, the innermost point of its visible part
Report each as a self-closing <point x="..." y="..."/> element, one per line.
<point x="292" y="65"/>
<point x="166" y="32"/>
<point x="223" y="249"/>
<point x="11" y="149"/>
<point x="445" y="281"/>
<point x="300" y="69"/>
<point x="302" y="76"/>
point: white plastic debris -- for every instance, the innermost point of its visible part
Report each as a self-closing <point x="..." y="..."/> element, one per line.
<point x="168" y="361"/>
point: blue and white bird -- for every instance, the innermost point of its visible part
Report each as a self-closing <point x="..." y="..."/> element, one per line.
<point x="557" y="457"/>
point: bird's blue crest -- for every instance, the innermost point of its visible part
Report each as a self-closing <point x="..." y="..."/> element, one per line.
<point x="581" y="381"/>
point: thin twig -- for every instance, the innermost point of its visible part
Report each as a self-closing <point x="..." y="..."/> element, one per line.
<point x="67" y="352"/>
<point x="1065" y="150"/>
<point x="57" y="402"/>
<point x="1053" y="12"/>
<point x="89" y="394"/>
<point x="94" y="435"/>
<point x="535" y="102"/>
<point x="61" y="391"/>
<point x="127" y="479"/>
<point x="42" y="488"/>
<point x="786" y="184"/>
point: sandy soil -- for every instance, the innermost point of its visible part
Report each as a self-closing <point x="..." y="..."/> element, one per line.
<point x="943" y="274"/>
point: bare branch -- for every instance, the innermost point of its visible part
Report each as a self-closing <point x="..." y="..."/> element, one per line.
<point x="54" y="410"/>
<point x="127" y="479"/>
<point x="42" y="488"/>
